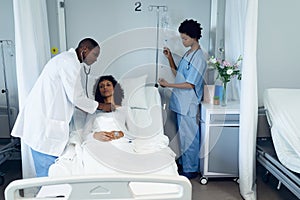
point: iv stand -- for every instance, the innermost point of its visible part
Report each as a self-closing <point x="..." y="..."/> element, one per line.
<point x="5" y="90"/>
<point x="165" y="8"/>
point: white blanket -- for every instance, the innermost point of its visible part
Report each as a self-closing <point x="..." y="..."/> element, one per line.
<point x="283" y="110"/>
<point x="130" y="154"/>
<point x="104" y="157"/>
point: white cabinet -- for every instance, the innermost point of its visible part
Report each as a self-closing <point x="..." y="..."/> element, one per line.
<point x="219" y="141"/>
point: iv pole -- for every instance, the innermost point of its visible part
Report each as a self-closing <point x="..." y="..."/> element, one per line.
<point x="165" y="8"/>
<point x="5" y="90"/>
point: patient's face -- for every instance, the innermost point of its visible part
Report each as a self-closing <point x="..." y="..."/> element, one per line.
<point x="106" y="88"/>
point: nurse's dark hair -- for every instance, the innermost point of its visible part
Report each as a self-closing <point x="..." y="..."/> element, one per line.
<point x="191" y="28"/>
<point x="89" y="43"/>
<point x="118" y="91"/>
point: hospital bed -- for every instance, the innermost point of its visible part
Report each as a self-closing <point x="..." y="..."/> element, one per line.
<point x="103" y="187"/>
<point x="280" y="153"/>
<point x="142" y="167"/>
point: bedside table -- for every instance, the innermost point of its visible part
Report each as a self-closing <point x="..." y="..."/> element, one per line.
<point x="219" y="141"/>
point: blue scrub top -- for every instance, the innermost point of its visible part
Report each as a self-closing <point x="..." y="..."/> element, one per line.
<point x="186" y="101"/>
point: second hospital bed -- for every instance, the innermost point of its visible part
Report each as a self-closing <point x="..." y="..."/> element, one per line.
<point x="280" y="153"/>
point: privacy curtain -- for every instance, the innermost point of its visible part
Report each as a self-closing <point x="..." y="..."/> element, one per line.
<point x="241" y="38"/>
<point x="32" y="52"/>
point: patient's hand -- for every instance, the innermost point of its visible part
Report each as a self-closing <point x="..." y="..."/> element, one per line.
<point x="117" y="134"/>
<point x="108" y="136"/>
<point x="103" y="136"/>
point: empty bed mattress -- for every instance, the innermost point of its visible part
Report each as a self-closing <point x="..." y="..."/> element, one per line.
<point x="283" y="112"/>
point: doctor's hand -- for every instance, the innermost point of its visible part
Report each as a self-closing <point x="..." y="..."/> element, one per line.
<point x="106" y="107"/>
<point x="163" y="83"/>
<point x="103" y="136"/>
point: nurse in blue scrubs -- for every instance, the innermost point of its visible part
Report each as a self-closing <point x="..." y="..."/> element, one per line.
<point x="187" y="95"/>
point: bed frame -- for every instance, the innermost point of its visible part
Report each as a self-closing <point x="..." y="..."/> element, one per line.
<point x="266" y="156"/>
<point x="8" y="151"/>
<point x="102" y="187"/>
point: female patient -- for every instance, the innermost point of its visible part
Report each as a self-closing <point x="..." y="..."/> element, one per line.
<point x="108" y="126"/>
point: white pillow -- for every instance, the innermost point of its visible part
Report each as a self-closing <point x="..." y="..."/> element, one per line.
<point x="145" y="123"/>
<point x="134" y="92"/>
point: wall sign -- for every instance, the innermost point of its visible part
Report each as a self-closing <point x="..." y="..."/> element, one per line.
<point x="138" y="6"/>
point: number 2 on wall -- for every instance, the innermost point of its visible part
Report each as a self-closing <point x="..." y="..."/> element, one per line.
<point x="138" y="6"/>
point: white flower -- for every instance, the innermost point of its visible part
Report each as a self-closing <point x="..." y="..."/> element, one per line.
<point x="229" y="71"/>
<point x="213" y="60"/>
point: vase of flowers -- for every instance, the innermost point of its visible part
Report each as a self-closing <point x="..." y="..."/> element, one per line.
<point x="226" y="71"/>
<point x="224" y="95"/>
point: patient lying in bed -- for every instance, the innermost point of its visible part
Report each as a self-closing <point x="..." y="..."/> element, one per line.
<point x="107" y="146"/>
<point x="109" y="91"/>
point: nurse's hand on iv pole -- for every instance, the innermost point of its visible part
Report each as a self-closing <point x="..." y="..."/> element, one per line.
<point x="167" y="52"/>
<point x="162" y="82"/>
<point x="106" y="107"/>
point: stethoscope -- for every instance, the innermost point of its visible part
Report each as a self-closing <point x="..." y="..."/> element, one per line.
<point x="189" y="63"/>
<point x="87" y="71"/>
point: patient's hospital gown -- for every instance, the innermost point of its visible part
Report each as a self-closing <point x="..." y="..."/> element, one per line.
<point x="105" y="121"/>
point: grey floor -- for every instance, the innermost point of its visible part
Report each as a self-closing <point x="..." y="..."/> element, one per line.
<point x="228" y="189"/>
<point x="216" y="189"/>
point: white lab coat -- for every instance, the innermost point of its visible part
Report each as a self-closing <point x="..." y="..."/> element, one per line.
<point x="43" y="122"/>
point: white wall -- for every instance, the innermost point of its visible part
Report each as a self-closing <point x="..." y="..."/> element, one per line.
<point x="52" y="14"/>
<point x="6" y="20"/>
<point x="278" y="45"/>
<point x="128" y="37"/>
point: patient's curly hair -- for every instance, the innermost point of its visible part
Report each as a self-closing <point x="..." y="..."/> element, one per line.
<point x="118" y="91"/>
<point x="192" y="28"/>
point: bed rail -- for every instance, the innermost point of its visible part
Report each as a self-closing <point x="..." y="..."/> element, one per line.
<point x="103" y="187"/>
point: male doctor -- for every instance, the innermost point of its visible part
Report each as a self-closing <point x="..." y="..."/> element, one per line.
<point x="43" y="122"/>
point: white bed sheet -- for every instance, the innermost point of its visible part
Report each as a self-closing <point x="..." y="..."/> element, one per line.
<point x="122" y="160"/>
<point x="139" y="157"/>
<point x="283" y="112"/>
<point x="116" y="157"/>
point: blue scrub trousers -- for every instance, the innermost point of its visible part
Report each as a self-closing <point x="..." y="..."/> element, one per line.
<point x="189" y="136"/>
<point x="42" y="162"/>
